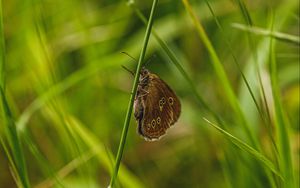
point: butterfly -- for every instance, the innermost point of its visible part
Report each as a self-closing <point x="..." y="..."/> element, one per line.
<point x="156" y="106"/>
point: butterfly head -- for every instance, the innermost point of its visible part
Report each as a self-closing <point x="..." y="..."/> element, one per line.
<point x="144" y="72"/>
<point x="144" y="75"/>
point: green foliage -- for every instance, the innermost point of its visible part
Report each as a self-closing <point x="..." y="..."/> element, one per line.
<point x="64" y="94"/>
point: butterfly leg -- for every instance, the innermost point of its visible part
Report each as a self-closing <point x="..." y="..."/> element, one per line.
<point x="143" y="94"/>
<point x="144" y="91"/>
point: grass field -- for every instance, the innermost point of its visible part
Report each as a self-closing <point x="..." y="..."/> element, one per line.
<point x="66" y="115"/>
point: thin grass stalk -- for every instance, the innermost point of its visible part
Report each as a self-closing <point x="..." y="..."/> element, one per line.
<point x="14" y="143"/>
<point x="12" y="167"/>
<point x="281" y="124"/>
<point x="236" y="62"/>
<point x="264" y="119"/>
<point x="245" y="12"/>
<point x="264" y="32"/>
<point x="260" y="111"/>
<point x="247" y="18"/>
<point x="66" y="170"/>
<point x="2" y="50"/>
<point x="219" y="69"/>
<point x="126" y="178"/>
<point x="245" y="147"/>
<point x="41" y="160"/>
<point x="223" y="158"/>
<point x="252" y="43"/>
<point x="56" y="90"/>
<point x="111" y="159"/>
<point x="133" y="93"/>
<point x="246" y="15"/>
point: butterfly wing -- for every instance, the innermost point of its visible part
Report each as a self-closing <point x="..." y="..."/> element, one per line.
<point x="161" y="109"/>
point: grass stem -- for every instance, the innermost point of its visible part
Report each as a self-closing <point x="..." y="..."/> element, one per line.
<point x="265" y="32"/>
<point x="2" y="49"/>
<point x="133" y="92"/>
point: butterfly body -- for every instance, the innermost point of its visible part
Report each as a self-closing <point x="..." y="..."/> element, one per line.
<point x="156" y="107"/>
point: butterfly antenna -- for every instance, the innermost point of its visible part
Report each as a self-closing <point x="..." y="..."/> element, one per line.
<point x="127" y="70"/>
<point x="129" y="56"/>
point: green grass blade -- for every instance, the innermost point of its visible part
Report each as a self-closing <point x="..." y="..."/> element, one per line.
<point x="219" y="69"/>
<point x="126" y="178"/>
<point x="245" y="147"/>
<point x="236" y="62"/>
<point x="246" y="15"/>
<point x="281" y="124"/>
<point x="41" y="160"/>
<point x="244" y="12"/>
<point x="14" y="143"/>
<point x="251" y="92"/>
<point x="2" y="49"/>
<point x="60" y="88"/>
<point x="268" y="33"/>
<point x="134" y="89"/>
<point x="13" y="168"/>
<point x="67" y="169"/>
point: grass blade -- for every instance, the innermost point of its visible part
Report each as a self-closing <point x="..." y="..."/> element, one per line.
<point x="245" y="147"/>
<point x="268" y="33"/>
<point x="126" y="178"/>
<point x="236" y="61"/>
<point x="134" y="89"/>
<point x="2" y="49"/>
<point x="67" y="169"/>
<point x="281" y="124"/>
<point x="219" y="69"/>
<point x="58" y="89"/>
<point x="245" y="12"/>
<point x="249" y="89"/>
<point x="14" y="143"/>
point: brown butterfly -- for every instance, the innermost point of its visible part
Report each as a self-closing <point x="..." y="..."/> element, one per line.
<point x="156" y="107"/>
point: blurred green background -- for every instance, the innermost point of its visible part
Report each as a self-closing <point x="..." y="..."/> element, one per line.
<point x="68" y="93"/>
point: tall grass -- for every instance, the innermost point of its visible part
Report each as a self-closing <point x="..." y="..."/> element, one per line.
<point x="219" y="69"/>
<point x="281" y="124"/>
<point x="64" y="94"/>
<point x="286" y="167"/>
